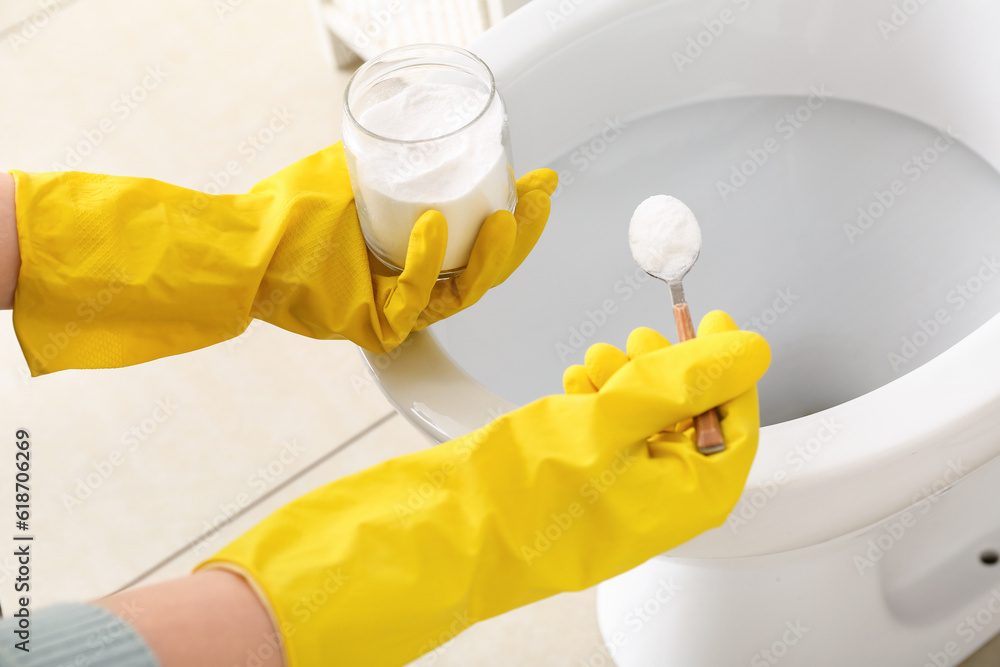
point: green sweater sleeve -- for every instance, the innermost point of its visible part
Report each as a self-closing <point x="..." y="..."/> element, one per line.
<point x="73" y="634"/>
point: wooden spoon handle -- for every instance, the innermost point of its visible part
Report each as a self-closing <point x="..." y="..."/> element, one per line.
<point x="708" y="431"/>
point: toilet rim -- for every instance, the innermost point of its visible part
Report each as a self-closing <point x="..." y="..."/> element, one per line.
<point x="931" y="420"/>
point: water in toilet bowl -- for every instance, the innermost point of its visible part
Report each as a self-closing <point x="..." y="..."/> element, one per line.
<point x="860" y="242"/>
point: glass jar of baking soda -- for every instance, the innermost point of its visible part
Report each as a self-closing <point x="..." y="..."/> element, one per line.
<point x="425" y="128"/>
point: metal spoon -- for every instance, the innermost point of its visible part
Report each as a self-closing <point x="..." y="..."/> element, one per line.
<point x="649" y="245"/>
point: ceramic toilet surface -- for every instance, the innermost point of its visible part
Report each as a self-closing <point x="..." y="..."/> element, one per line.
<point x="842" y="161"/>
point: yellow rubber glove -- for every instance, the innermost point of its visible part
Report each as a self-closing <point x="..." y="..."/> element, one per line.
<point x="380" y="567"/>
<point x="117" y="270"/>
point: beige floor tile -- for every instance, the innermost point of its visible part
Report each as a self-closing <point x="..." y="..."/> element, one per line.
<point x="21" y="20"/>
<point x="180" y="90"/>
<point x="388" y="439"/>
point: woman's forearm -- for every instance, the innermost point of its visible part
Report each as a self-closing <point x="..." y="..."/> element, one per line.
<point x="10" y="254"/>
<point x="206" y="619"/>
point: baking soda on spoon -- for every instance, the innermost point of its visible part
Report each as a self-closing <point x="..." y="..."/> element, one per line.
<point x="665" y="237"/>
<point x="666" y="240"/>
<point x="465" y="177"/>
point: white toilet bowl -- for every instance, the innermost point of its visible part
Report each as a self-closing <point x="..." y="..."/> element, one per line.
<point x="842" y="157"/>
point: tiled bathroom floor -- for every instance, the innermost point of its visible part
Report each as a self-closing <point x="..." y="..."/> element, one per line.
<point x="184" y="83"/>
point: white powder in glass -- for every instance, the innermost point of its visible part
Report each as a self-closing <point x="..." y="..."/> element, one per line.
<point x="464" y="176"/>
<point x="664" y="236"/>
